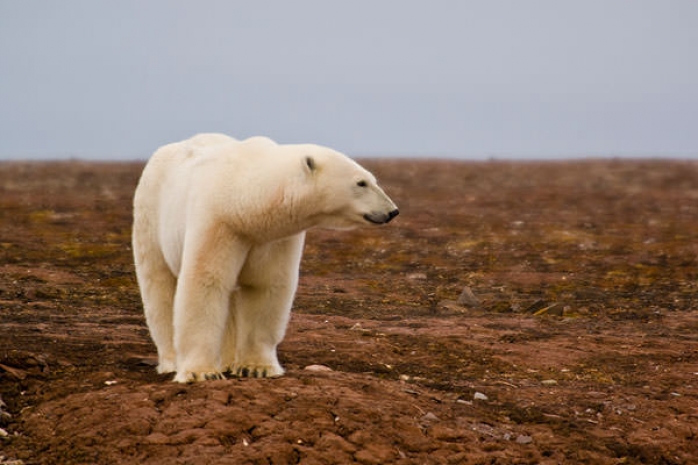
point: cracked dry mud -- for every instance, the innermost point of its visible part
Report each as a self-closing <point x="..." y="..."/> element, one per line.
<point x="609" y="377"/>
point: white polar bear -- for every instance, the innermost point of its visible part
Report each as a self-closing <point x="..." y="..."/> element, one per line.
<point x="218" y="235"/>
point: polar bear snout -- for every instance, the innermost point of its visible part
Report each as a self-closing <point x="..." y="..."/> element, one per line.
<point x="381" y="218"/>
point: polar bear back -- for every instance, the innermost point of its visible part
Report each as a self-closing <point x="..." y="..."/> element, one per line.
<point x="209" y="175"/>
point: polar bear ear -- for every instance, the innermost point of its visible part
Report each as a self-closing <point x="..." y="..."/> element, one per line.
<point x="310" y="164"/>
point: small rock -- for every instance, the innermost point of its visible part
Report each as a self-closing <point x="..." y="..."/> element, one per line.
<point x="358" y="327"/>
<point x="468" y="299"/>
<point x="480" y="396"/>
<point x="430" y="417"/>
<point x="549" y="382"/>
<point x="522" y="439"/>
<point x="417" y="276"/>
<point x="318" y="368"/>
<point x="3" y="433"/>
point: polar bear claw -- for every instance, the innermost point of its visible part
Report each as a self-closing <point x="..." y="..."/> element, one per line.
<point x="192" y="377"/>
<point x="257" y="372"/>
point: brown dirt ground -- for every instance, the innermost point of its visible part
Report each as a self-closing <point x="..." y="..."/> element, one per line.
<point x="609" y="375"/>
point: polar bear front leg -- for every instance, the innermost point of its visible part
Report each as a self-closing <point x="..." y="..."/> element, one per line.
<point x="210" y="267"/>
<point x="262" y="306"/>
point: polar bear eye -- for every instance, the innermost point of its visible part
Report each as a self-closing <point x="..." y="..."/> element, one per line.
<point x="362" y="184"/>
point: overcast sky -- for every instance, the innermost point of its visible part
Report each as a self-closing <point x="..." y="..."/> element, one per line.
<point x="475" y="79"/>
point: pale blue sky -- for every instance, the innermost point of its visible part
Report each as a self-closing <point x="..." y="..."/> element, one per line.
<point x="115" y="79"/>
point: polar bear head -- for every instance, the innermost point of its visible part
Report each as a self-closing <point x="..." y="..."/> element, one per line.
<point x="344" y="194"/>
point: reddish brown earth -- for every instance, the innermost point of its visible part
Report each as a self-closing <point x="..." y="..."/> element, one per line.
<point x="608" y="375"/>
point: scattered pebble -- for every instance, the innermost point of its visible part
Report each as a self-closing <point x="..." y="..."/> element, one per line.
<point x="111" y="382"/>
<point x="417" y="276"/>
<point x="318" y="368"/>
<point x="549" y="382"/>
<point x="430" y="417"/>
<point x="358" y="327"/>
<point x="3" y="433"/>
<point x="522" y="439"/>
<point x="468" y="299"/>
<point x="480" y="396"/>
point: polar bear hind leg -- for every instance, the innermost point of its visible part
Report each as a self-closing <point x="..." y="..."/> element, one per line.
<point x="159" y="298"/>
<point x="261" y="307"/>
<point x="157" y="284"/>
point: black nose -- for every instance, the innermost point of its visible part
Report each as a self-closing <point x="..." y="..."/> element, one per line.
<point x="393" y="214"/>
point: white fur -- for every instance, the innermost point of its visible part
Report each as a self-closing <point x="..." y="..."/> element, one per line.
<point x="218" y="235"/>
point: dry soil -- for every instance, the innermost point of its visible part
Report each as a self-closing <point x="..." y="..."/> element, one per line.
<point x="579" y="347"/>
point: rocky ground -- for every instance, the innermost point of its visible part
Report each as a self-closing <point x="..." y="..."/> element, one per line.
<point x="514" y="313"/>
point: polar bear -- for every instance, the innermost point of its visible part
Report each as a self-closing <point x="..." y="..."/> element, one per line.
<point x="218" y="233"/>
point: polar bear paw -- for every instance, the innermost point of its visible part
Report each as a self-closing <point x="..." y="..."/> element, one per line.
<point x="166" y="366"/>
<point x="256" y="371"/>
<point x="193" y="377"/>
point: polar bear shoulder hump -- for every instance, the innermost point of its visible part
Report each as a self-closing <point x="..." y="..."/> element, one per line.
<point x="208" y="139"/>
